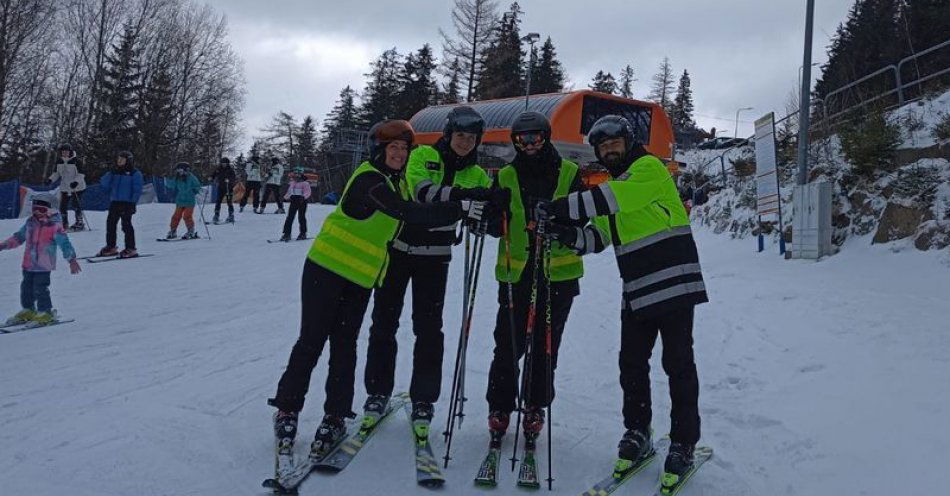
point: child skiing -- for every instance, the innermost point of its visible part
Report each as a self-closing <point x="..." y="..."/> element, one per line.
<point x="184" y="186"/>
<point x="71" y="187"/>
<point x="225" y="178"/>
<point x="124" y="183"/>
<point x="42" y="234"/>
<point x="272" y="185"/>
<point x="298" y="193"/>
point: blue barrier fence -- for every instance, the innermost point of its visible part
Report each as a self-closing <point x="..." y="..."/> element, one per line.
<point x="94" y="198"/>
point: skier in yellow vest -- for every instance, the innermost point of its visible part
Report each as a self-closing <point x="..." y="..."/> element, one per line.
<point x="536" y="173"/>
<point x="347" y="260"/>
<point x="445" y="171"/>
<point x="639" y="212"/>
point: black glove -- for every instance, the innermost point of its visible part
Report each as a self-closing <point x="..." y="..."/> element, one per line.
<point x="567" y="235"/>
<point x="74" y="184"/>
<point x="473" y="210"/>
<point x="476" y="194"/>
<point x="500" y="198"/>
<point x="543" y="210"/>
<point x="47" y="182"/>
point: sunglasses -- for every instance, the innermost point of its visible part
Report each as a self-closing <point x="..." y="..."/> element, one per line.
<point x="528" y="139"/>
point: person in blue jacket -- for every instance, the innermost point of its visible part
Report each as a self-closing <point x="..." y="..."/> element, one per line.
<point x="124" y="183"/>
<point x="185" y="187"/>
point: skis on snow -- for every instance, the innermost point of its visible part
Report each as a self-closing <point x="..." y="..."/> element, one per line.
<point x="287" y="240"/>
<point x="112" y="258"/>
<point x="488" y="471"/>
<point x="24" y="326"/>
<point x="671" y="484"/>
<point x="427" y="466"/>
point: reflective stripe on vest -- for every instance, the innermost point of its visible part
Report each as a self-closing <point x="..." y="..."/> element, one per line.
<point x="565" y="265"/>
<point x="356" y="249"/>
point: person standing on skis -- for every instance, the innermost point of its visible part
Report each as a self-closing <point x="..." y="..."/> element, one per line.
<point x="225" y="179"/>
<point x="446" y="171"/>
<point x="639" y="212"/>
<point x="185" y="187"/>
<point x="124" y="183"/>
<point x="537" y="173"/>
<point x="71" y="187"/>
<point x="346" y="261"/>
<point x="272" y="178"/>
<point x="252" y="182"/>
<point x="298" y="193"/>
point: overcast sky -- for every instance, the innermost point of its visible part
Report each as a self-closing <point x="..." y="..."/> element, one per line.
<point x="298" y="54"/>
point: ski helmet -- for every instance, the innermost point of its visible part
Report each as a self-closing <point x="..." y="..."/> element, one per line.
<point x="298" y="170"/>
<point x="464" y="119"/>
<point x="65" y="147"/>
<point x="529" y="123"/>
<point x="609" y="127"/>
<point x="225" y="161"/>
<point x="181" y="168"/>
<point x="42" y="200"/>
<point x="274" y="161"/>
<point x="384" y="132"/>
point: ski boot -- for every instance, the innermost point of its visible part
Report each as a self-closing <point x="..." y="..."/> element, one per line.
<point x="532" y="423"/>
<point x="108" y="251"/>
<point x="44" y="318"/>
<point x="240" y="209"/>
<point x="330" y="433"/>
<point x="374" y="407"/>
<point x="78" y="226"/>
<point x="191" y="234"/>
<point x="128" y="253"/>
<point x="280" y="211"/>
<point x="635" y="445"/>
<point x="171" y="235"/>
<point x="216" y="219"/>
<point x="679" y="461"/>
<point x="422" y="412"/>
<point x="285" y="238"/>
<point x="302" y="236"/>
<point x="21" y="317"/>
<point x="497" y="427"/>
<point x="230" y="219"/>
<point x="285" y="430"/>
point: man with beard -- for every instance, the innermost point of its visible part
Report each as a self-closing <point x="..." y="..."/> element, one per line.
<point x="639" y="212"/>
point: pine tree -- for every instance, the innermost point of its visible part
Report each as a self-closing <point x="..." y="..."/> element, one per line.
<point x="306" y="144"/>
<point x="155" y="116"/>
<point x="450" y="94"/>
<point x="662" y="90"/>
<point x="343" y="116"/>
<point x="380" y="97"/>
<point x="626" y="82"/>
<point x="475" y="22"/>
<point x="418" y="88"/>
<point x="681" y="113"/>
<point x="503" y="72"/>
<point x="281" y="136"/>
<point x="547" y="74"/>
<point x="121" y="84"/>
<point x="604" y="83"/>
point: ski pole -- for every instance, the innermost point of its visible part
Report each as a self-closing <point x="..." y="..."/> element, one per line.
<point x="202" y="212"/>
<point x="449" y="424"/>
<point x="548" y="349"/>
<point x="479" y="249"/>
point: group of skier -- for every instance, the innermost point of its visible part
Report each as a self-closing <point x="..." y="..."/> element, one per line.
<point x="396" y="223"/>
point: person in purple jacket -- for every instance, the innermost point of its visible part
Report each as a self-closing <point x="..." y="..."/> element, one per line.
<point x="124" y="183"/>
<point x="42" y="233"/>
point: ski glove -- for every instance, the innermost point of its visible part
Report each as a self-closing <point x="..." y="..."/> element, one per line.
<point x="473" y="210"/>
<point x="551" y="210"/>
<point x="74" y="184"/>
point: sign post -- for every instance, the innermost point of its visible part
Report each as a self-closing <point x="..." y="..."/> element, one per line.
<point x="768" y="194"/>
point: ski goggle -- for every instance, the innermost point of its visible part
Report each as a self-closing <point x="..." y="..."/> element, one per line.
<point x="40" y="209"/>
<point x="524" y="140"/>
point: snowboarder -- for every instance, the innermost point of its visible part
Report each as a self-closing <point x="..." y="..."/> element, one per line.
<point x="639" y="212"/>
<point x="272" y="178"/>
<point x="225" y="178"/>
<point x="185" y="187"/>
<point x="445" y="171"/>
<point x="71" y="187"/>
<point x="252" y="182"/>
<point x="42" y="233"/>
<point x="338" y="279"/>
<point x="537" y="173"/>
<point x="298" y="193"/>
<point x="124" y="183"/>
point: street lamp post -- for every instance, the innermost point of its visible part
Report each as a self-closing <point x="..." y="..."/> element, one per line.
<point x="531" y="38"/>
<point x="736" y="133"/>
<point x="805" y="101"/>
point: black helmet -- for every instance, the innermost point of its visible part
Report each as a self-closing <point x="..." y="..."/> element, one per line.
<point x="384" y="132"/>
<point x="127" y="155"/>
<point x="531" y="122"/>
<point x="65" y="147"/>
<point x="464" y="119"/>
<point x="274" y="160"/>
<point x="182" y="167"/>
<point x="225" y="161"/>
<point x="608" y="127"/>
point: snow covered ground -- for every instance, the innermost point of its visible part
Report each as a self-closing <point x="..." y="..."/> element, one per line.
<point x="817" y="378"/>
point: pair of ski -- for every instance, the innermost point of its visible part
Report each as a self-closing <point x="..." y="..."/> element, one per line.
<point x="664" y="487"/>
<point x="287" y="240"/>
<point x="527" y="472"/>
<point x="213" y="223"/>
<point x="110" y="258"/>
<point x="25" y="326"/>
<point x="288" y="478"/>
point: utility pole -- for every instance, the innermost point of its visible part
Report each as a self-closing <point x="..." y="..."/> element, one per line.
<point x="804" y="111"/>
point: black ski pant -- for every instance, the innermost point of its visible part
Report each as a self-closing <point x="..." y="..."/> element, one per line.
<point x="224" y="193"/>
<point x="332" y="309"/>
<point x="638" y="335"/>
<point x="272" y="189"/>
<point x="503" y="376"/>
<point x="298" y="207"/>
<point x="120" y="211"/>
<point x="34" y="291"/>
<point x="64" y="197"/>
<point x="251" y="188"/>
<point x="429" y="276"/>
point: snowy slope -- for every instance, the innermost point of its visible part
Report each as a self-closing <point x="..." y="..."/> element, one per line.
<point x="817" y="378"/>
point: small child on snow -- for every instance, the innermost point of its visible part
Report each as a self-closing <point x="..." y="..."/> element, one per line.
<point x="298" y="193"/>
<point x="185" y="187"/>
<point x="41" y="234"/>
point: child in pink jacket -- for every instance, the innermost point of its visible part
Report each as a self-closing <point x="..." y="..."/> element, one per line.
<point x="42" y="233"/>
<point x="298" y="193"/>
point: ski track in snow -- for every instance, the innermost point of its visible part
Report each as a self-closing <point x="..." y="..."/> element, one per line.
<point x="813" y="375"/>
